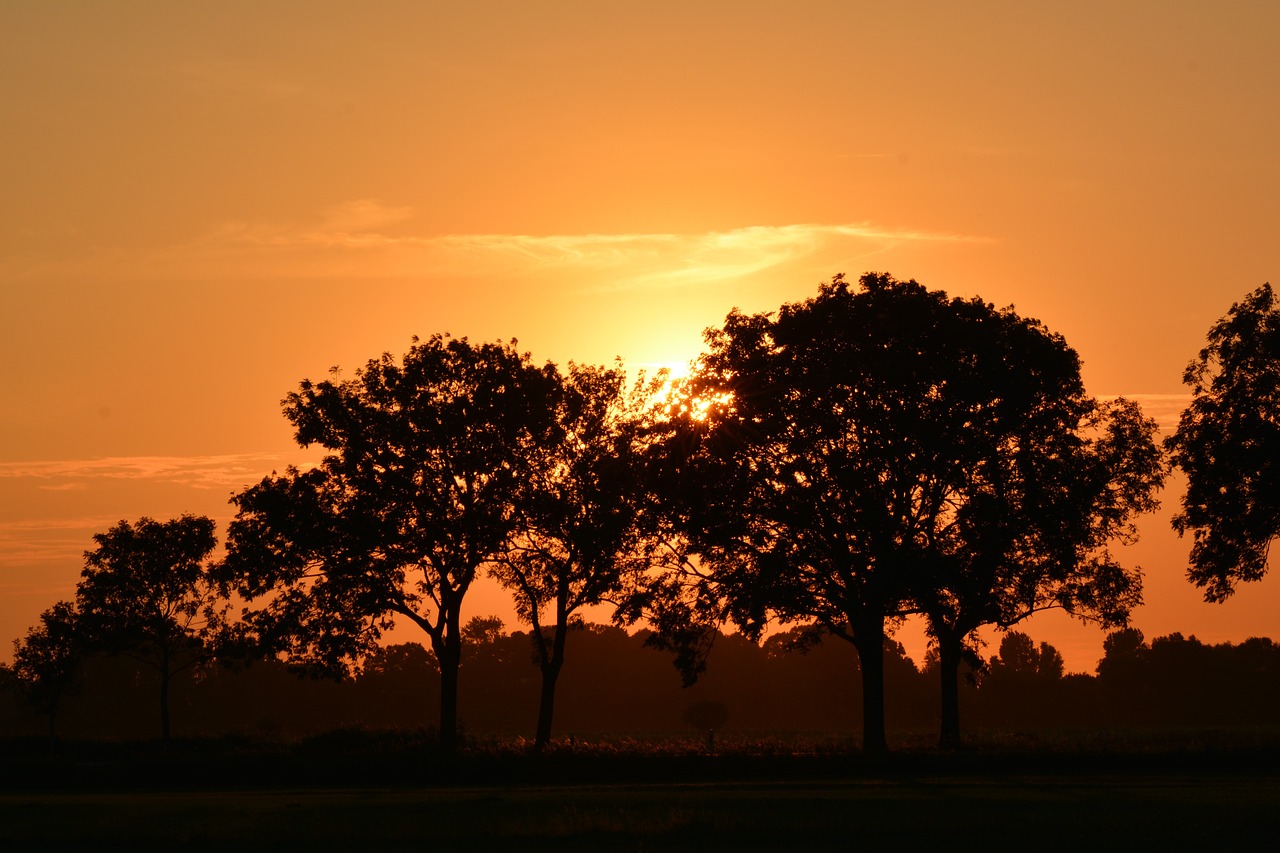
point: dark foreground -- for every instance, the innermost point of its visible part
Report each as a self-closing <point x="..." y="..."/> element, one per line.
<point x="982" y="813"/>
<point x="1018" y="800"/>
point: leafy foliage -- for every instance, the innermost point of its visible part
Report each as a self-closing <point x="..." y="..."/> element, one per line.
<point x="1035" y="516"/>
<point x="1056" y="479"/>
<point x="428" y="458"/>
<point x="46" y="662"/>
<point x="1228" y="444"/>
<point x="147" y="591"/>
<point x="578" y="530"/>
<point x="579" y="536"/>
<point x="883" y="450"/>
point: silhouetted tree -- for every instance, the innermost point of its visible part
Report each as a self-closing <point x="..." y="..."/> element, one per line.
<point x="1122" y="672"/>
<point x="1020" y="658"/>
<point x="147" y="592"/>
<point x="428" y="456"/>
<point x="483" y="632"/>
<point x="825" y="449"/>
<point x="1051" y="478"/>
<point x="47" y="661"/>
<point x="1123" y="653"/>
<point x="1252" y="670"/>
<point x="1228" y="443"/>
<point x="1022" y="685"/>
<point x="1180" y="681"/>
<point x="579" y="537"/>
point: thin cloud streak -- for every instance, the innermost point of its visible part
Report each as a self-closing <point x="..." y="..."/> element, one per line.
<point x="361" y="238"/>
<point x="657" y="261"/>
<point x="200" y="472"/>
<point x="1165" y="408"/>
<point x="40" y="541"/>
<point x="48" y="540"/>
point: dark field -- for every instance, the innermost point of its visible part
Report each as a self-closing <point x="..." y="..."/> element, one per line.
<point x="1220" y="812"/>
<point x="986" y="799"/>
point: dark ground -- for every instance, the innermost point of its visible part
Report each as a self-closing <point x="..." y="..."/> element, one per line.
<point x="1213" y="793"/>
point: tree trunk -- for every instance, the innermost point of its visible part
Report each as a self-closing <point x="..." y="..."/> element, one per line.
<point x="949" y="653"/>
<point x="547" y="700"/>
<point x="449" y="656"/>
<point x="868" y="639"/>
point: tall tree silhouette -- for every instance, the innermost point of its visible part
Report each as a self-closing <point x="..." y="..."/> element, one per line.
<point x="579" y="535"/>
<point x="1228" y="444"/>
<point x="47" y="661"/>
<point x="1049" y="478"/>
<point x="428" y="456"/>
<point x="147" y="592"/>
<point x="822" y="450"/>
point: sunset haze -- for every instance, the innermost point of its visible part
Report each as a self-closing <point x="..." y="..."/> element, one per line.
<point x="204" y="204"/>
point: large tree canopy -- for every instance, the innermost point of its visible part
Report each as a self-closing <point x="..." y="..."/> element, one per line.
<point x="882" y="450"/>
<point x="1228" y="444"/>
<point x="1046" y="478"/>
<point x="1058" y="478"/>
<point x="826" y="441"/>
<point x="428" y="456"/>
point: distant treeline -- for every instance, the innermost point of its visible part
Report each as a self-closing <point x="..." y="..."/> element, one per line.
<point x="617" y="686"/>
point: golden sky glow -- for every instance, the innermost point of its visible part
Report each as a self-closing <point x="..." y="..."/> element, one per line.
<point x="205" y="203"/>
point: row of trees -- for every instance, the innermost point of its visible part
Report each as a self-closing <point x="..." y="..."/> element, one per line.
<point x="876" y="451"/>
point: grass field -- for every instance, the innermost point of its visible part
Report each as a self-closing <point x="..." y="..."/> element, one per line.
<point x="1214" y="811"/>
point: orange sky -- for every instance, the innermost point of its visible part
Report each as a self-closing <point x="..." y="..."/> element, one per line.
<point x="204" y="203"/>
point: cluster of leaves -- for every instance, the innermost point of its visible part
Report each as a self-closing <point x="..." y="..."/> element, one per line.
<point x="1228" y="444"/>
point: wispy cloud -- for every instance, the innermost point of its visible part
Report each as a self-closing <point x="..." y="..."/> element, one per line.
<point x="369" y="238"/>
<point x="62" y="539"/>
<point x="363" y="215"/>
<point x="59" y="540"/>
<point x="199" y="472"/>
<point x="630" y="260"/>
<point x="47" y="540"/>
<point x="745" y="251"/>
